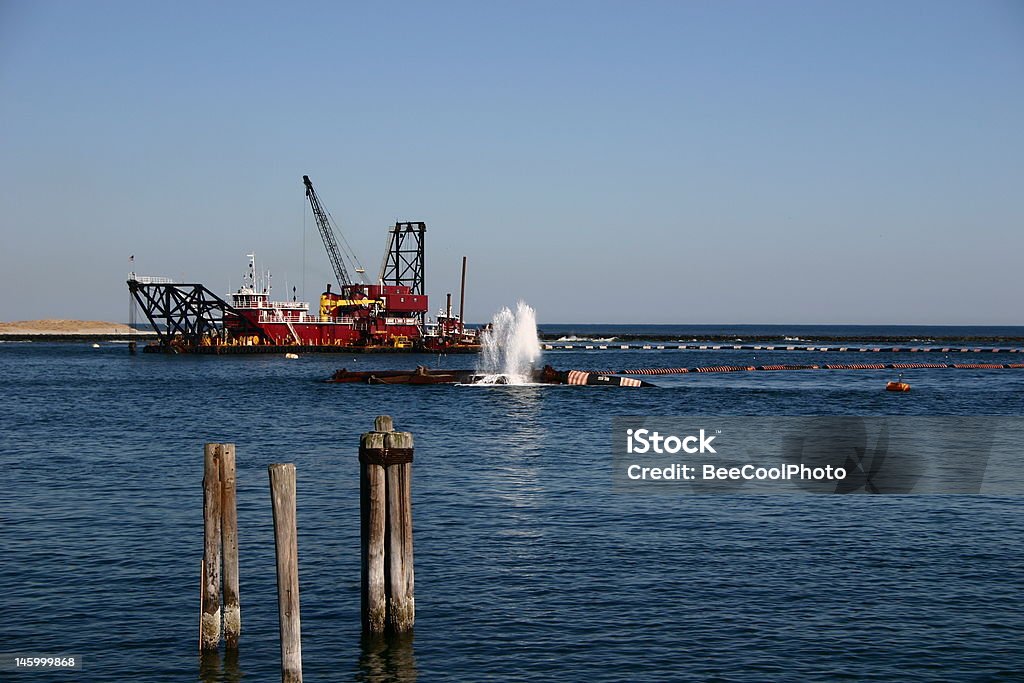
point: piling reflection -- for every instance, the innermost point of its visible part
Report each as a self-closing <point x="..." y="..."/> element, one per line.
<point x="213" y="668"/>
<point x="210" y="666"/>
<point x="232" y="671"/>
<point x="388" y="658"/>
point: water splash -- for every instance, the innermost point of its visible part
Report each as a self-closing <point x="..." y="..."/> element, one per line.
<point x="510" y="347"/>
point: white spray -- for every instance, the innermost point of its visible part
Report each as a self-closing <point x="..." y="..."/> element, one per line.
<point x="510" y="348"/>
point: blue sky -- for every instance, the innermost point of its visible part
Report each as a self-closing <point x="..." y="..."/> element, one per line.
<point x="664" y="162"/>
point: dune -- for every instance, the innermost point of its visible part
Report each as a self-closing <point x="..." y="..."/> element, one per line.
<point x="62" y="327"/>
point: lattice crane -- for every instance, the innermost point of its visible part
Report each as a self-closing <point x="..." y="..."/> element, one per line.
<point x="327" y="232"/>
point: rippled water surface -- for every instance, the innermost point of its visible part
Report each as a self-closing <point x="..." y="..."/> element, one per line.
<point x="529" y="564"/>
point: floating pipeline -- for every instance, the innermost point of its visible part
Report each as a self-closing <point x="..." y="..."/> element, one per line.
<point x="782" y="347"/>
<point x="616" y="378"/>
<point x="610" y="338"/>
<point x="579" y="378"/>
<point x="827" y="366"/>
<point x="423" y="375"/>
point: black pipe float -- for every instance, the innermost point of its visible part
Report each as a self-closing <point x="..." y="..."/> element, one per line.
<point x="594" y="379"/>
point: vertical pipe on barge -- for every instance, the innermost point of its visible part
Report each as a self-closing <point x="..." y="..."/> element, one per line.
<point x="282" y="495"/>
<point x="462" y="298"/>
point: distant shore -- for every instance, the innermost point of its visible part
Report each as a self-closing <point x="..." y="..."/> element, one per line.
<point x="67" y="330"/>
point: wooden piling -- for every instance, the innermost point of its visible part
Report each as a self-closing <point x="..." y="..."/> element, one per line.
<point x="202" y="591"/>
<point x="229" y="535"/>
<point x="209" y="632"/>
<point x="401" y="594"/>
<point x="388" y="599"/>
<point x="282" y="494"/>
<point x="372" y="503"/>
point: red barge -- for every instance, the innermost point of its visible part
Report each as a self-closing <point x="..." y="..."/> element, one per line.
<point x="390" y="315"/>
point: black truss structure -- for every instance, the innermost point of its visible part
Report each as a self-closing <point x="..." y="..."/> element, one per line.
<point x="403" y="260"/>
<point x="185" y="312"/>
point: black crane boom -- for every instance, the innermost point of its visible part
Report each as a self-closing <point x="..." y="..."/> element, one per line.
<point x="327" y="233"/>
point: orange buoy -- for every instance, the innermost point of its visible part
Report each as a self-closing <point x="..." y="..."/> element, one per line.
<point x="897" y="386"/>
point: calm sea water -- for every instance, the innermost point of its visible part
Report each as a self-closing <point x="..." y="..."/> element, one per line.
<point x="530" y="565"/>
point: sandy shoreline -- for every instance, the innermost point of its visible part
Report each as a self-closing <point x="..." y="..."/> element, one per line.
<point x="67" y="328"/>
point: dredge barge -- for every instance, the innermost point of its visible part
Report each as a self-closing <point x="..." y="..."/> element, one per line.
<point x="387" y="316"/>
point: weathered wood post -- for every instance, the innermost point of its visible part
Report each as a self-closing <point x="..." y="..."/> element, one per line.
<point x="209" y="632"/>
<point x="388" y="596"/>
<point x="372" y="501"/>
<point x="282" y="494"/>
<point x="229" y="535"/>
<point x="202" y="600"/>
<point x="401" y="594"/>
